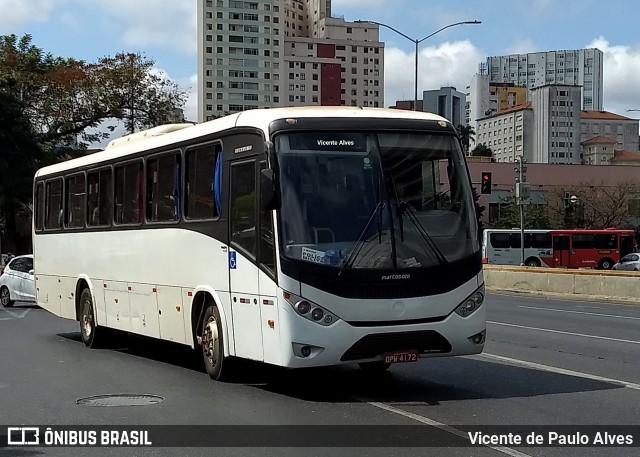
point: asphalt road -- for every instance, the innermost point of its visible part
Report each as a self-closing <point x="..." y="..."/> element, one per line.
<point x="546" y="362"/>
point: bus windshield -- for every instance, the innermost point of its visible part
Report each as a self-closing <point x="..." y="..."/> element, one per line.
<point x="374" y="200"/>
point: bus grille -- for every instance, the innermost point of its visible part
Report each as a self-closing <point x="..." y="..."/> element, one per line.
<point x="370" y="346"/>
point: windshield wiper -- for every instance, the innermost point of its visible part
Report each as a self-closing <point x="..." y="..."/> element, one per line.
<point x="351" y="258"/>
<point x="405" y="207"/>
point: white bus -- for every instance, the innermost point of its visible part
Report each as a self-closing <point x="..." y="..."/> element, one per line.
<point x="297" y="237"/>
<point x="503" y="247"/>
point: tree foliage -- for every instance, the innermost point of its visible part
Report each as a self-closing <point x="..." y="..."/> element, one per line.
<point x="67" y="99"/>
<point x="51" y="107"/>
<point x="20" y="155"/>
<point x="594" y="206"/>
<point x="467" y="135"/>
<point x="128" y="85"/>
<point x="535" y="216"/>
<point x="482" y="151"/>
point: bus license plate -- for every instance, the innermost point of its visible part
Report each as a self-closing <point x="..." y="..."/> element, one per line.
<point x="401" y="356"/>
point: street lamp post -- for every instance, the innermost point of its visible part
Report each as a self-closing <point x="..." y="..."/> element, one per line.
<point x="417" y="42"/>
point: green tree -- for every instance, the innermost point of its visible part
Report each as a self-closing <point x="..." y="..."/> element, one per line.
<point x="67" y="100"/>
<point x="535" y="216"/>
<point x="467" y="135"/>
<point x="482" y="151"/>
<point x="134" y="92"/>
<point x="20" y="155"/>
<point x="52" y="107"/>
<point x="593" y="205"/>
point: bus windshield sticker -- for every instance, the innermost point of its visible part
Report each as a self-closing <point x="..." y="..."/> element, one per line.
<point x="312" y="255"/>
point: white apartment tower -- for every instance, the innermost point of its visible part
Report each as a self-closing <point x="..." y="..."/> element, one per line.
<point x="582" y="67"/>
<point x="269" y="53"/>
<point x="556" y="111"/>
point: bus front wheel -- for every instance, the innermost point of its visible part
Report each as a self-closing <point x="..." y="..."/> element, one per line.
<point x="212" y="342"/>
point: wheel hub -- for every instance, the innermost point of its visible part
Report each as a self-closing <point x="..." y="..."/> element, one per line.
<point x="210" y="341"/>
<point x="87" y="320"/>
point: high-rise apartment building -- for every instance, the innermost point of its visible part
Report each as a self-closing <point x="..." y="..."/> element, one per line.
<point x="269" y="53"/>
<point x="556" y="138"/>
<point x="485" y="98"/>
<point x="582" y="67"/>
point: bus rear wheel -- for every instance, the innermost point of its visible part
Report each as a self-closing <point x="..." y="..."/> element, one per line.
<point x="605" y="264"/>
<point x="213" y="343"/>
<point x="92" y="335"/>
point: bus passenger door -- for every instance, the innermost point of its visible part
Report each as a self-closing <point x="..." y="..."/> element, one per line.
<point x="267" y="283"/>
<point x="561" y="253"/>
<point x="243" y="269"/>
<point x="626" y="245"/>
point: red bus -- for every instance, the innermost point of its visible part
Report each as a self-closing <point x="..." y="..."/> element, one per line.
<point x="590" y="248"/>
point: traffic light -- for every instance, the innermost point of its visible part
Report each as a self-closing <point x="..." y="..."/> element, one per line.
<point x="485" y="183"/>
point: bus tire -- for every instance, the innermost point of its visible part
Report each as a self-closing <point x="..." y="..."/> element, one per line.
<point x="5" y="297"/>
<point x="92" y="335"/>
<point x="532" y="262"/>
<point x="213" y="343"/>
<point x="605" y="264"/>
<point x="374" y="367"/>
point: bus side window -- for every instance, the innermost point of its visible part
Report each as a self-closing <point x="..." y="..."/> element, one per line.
<point x="500" y="240"/>
<point x="541" y="241"/>
<point x="163" y="185"/>
<point x="580" y="241"/>
<point x="53" y="198"/>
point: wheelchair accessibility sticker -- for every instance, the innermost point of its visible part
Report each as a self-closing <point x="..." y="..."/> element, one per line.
<point x="232" y="260"/>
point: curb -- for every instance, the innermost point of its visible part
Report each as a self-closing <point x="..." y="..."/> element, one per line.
<point x="567" y="296"/>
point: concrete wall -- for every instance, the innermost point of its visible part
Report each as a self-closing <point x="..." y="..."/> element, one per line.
<point x="588" y="283"/>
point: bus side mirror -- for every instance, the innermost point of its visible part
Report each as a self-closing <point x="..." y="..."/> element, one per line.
<point x="269" y="195"/>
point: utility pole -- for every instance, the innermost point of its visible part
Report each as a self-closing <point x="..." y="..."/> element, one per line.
<point x="523" y="193"/>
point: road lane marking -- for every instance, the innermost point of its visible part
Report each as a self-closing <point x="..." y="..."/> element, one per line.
<point x="578" y="312"/>
<point x="565" y="333"/>
<point x="439" y="425"/>
<point x="14" y="314"/>
<point x="573" y="298"/>
<point x="551" y="369"/>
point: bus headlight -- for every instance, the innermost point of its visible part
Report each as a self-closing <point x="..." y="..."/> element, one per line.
<point x="302" y="307"/>
<point x="471" y="304"/>
<point x="310" y="311"/>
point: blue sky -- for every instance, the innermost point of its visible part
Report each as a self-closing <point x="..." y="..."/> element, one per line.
<point x="165" y="31"/>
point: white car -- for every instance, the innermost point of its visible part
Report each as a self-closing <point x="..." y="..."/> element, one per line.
<point x="17" y="282"/>
<point x="630" y="262"/>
